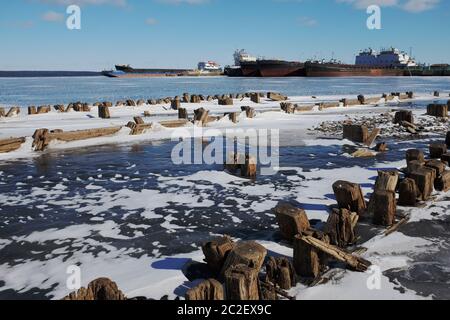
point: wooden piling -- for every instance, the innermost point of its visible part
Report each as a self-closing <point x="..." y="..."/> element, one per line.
<point x="291" y="220"/>
<point x="408" y="193"/>
<point x="208" y="290"/>
<point x="241" y="283"/>
<point x="216" y="251"/>
<point x="349" y="196"/>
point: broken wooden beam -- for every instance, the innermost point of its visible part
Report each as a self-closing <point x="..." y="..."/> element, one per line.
<point x="13" y="112"/>
<point x="355" y="262"/>
<point x="174" y="123"/>
<point x="12" y="144"/>
<point x="276" y="96"/>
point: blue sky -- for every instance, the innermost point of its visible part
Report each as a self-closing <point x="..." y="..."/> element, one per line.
<point x="179" y="33"/>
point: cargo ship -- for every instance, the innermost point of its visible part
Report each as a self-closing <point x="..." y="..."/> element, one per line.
<point x="249" y="66"/>
<point x="126" y="71"/>
<point x="388" y="63"/>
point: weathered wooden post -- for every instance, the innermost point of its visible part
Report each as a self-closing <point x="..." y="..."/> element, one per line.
<point x="226" y="102"/>
<point x="404" y="115"/>
<point x="216" y="251"/>
<point x="340" y="227"/>
<point x="254" y="97"/>
<point x="437" y="110"/>
<point x="249" y="112"/>
<point x="384" y="207"/>
<point x="356" y="133"/>
<point x="424" y="178"/>
<point x="175" y="104"/>
<point x="349" y="196"/>
<point x="287" y="107"/>
<point x="233" y="116"/>
<point x="415" y="154"/>
<point x="241" y="283"/>
<point x="201" y="116"/>
<point x="195" y="99"/>
<point x="306" y="259"/>
<point x="276" y="96"/>
<point x="408" y="193"/>
<point x="102" y="289"/>
<point x="250" y="167"/>
<point x="248" y="253"/>
<point x="208" y="290"/>
<point x="437" y="150"/>
<point x="103" y="112"/>
<point x="361" y="99"/>
<point x="2" y="112"/>
<point x="32" y="110"/>
<point x="291" y="220"/>
<point x="281" y="272"/>
<point x="182" y="113"/>
<point x="437" y="165"/>
<point x="442" y="183"/>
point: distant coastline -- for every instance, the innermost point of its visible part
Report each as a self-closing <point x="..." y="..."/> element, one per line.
<point x="39" y="74"/>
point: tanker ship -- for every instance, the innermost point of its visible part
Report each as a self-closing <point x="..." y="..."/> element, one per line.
<point x="126" y="71"/>
<point x="387" y="63"/>
<point x="249" y="66"/>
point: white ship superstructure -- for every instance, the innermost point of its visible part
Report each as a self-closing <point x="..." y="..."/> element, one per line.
<point x="386" y="58"/>
<point x="242" y="56"/>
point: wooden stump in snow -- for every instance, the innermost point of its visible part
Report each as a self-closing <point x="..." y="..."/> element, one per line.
<point x="233" y="116"/>
<point x="340" y="227"/>
<point x="437" y="110"/>
<point x="14" y="111"/>
<point x="103" y="112"/>
<point x="424" y="178"/>
<point x="437" y="150"/>
<point x="404" y="115"/>
<point x="254" y="97"/>
<point x="102" y="289"/>
<point x="249" y="168"/>
<point x="436" y="94"/>
<point x="281" y="272"/>
<point x="226" y="102"/>
<point x="415" y="154"/>
<point x="356" y="133"/>
<point x="176" y="104"/>
<point x="306" y="259"/>
<point x="249" y="112"/>
<point x="182" y="113"/>
<point x="408" y="193"/>
<point x="241" y="283"/>
<point x="32" y="110"/>
<point x="287" y="107"/>
<point x="208" y="290"/>
<point x="195" y="99"/>
<point x="387" y="180"/>
<point x="442" y="183"/>
<point x="384" y="208"/>
<point x="291" y="220"/>
<point x="248" y="253"/>
<point x="349" y="196"/>
<point x="216" y="252"/>
<point x="186" y="98"/>
<point x="2" y="112"/>
<point x="201" y="116"/>
<point x="437" y="165"/>
<point x="276" y="96"/>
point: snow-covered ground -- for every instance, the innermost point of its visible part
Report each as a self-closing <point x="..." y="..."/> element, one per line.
<point x="123" y="219"/>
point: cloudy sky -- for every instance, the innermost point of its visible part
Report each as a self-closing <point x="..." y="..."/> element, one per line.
<point x="179" y="33"/>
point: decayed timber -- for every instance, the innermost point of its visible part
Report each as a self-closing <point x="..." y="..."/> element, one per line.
<point x="43" y="137"/>
<point x="8" y="145"/>
<point x="248" y="253"/>
<point x="292" y="220"/>
<point x="280" y="272"/>
<point x="349" y="196"/>
<point x="241" y="283"/>
<point x="216" y="252"/>
<point x="174" y="123"/>
<point x="208" y="290"/>
<point x="355" y="262"/>
<point x="340" y="227"/>
<point x="397" y="225"/>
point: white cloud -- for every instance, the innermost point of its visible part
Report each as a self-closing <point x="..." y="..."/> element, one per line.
<point x="151" y="21"/>
<point x="407" y="5"/>
<point x="52" y="16"/>
<point x="420" y="5"/>
<point x="119" y="3"/>
<point x="194" y="2"/>
<point x="307" y="22"/>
